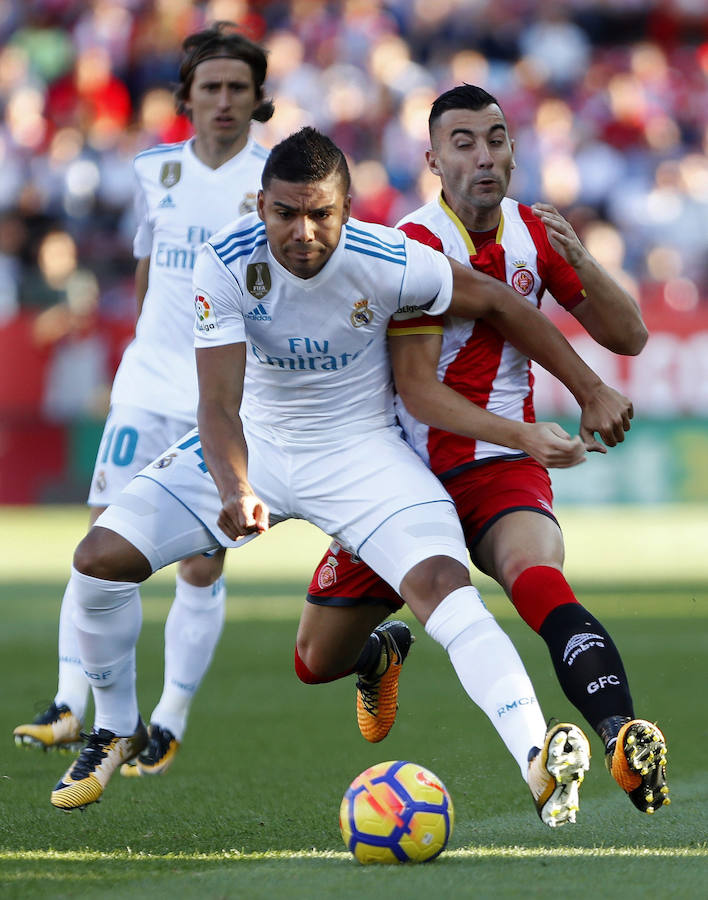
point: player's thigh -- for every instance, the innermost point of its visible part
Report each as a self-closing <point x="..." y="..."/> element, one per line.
<point x="132" y="438"/>
<point x="355" y="492"/>
<point x="506" y="510"/>
<point x="182" y="472"/>
<point x="157" y="524"/>
<point x="518" y="540"/>
<point x="427" y="533"/>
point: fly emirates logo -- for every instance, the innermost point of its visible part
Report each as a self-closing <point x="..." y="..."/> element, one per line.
<point x="181" y="256"/>
<point x="307" y="355"/>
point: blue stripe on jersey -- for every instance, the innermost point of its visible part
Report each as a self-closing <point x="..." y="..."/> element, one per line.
<point x="245" y="252"/>
<point x="393" y="259"/>
<point x="232" y="241"/>
<point x="237" y="234"/>
<point x="358" y="234"/>
<point x="161" y="148"/>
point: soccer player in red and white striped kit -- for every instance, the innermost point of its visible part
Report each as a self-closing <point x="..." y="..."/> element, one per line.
<point x="502" y="494"/>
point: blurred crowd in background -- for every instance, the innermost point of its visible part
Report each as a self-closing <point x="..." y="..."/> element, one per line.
<point x="607" y="101"/>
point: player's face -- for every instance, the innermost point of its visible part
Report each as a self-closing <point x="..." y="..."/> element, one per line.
<point x="473" y="156"/>
<point x="222" y="99"/>
<point x="304" y="221"/>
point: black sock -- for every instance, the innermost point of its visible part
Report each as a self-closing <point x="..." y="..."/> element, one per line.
<point x="588" y="666"/>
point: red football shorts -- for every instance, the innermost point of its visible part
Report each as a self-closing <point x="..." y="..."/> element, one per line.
<point x="482" y="495"/>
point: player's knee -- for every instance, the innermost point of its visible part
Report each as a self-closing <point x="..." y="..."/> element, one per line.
<point x="310" y="666"/>
<point x="515" y="566"/>
<point x="431" y="580"/>
<point x="202" y="571"/>
<point x="302" y="669"/>
<point x="106" y="555"/>
<point x="313" y="665"/>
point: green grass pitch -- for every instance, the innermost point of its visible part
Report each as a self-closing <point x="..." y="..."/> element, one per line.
<point x="250" y="808"/>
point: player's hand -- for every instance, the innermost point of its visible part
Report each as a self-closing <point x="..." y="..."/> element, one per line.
<point x="243" y="514"/>
<point x="560" y="233"/>
<point x="552" y="446"/>
<point x="608" y="413"/>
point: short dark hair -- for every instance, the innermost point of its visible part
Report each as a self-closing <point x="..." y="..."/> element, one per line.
<point x="464" y="96"/>
<point x="222" y="39"/>
<point x="304" y="157"/>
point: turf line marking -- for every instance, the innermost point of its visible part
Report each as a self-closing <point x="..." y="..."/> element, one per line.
<point x="255" y="856"/>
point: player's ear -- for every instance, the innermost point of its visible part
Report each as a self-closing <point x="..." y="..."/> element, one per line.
<point x="346" y="208"/>
<point x="432" y="161"/>
<point x="513" y="161"/>
<point x="260" y="205"/>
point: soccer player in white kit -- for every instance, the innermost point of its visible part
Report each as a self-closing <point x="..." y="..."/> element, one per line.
<point x="296" y="420"/>
<point x="185" y="192"/>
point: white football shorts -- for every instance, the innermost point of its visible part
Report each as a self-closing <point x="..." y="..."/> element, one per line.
<point x="132" y="438"/>
<point x="375" y="496"/>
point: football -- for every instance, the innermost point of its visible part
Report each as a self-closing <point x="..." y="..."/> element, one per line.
<point x="396" y="812"/>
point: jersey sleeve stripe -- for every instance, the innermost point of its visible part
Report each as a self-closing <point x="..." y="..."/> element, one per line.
<point x="376" y="244"/>
<point x="251" y="246"/>
<point x="367" y="237"/>
<point x="247" y="234"/>
<point x="393" y="259"/>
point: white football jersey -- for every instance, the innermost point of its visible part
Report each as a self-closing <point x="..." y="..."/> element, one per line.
<point x="317" y="359"/>
<point x="180" y="203"/>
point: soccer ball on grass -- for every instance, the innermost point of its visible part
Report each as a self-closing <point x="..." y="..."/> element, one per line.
<point x="396" y="812"/>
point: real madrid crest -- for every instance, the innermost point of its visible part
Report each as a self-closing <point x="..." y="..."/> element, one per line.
<point x="248" y="204"/>
<point x="258" y="279"/>
<point x="170" y="173"/>
<point x="164" y="461"/>
<point x="361" y="314"/>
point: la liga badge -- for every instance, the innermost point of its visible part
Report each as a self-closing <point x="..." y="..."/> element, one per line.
<point x="204" y="309"/>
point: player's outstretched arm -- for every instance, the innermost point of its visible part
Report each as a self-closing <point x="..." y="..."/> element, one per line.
<point x="220" y="371"/>
<point x="609" y="313"/>
<point x="414" y="358"/>
<point x="479" y="296"/>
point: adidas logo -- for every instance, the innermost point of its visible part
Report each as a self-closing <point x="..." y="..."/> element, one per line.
<point x="167" y="202"/>
<point x="259" y="314"/>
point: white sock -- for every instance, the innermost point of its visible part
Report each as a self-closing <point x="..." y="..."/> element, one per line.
<point x="490" y="670"/>
<point x="192" y="631"/>
<point x="72" y="686"/>
<point x="108" y="616"/>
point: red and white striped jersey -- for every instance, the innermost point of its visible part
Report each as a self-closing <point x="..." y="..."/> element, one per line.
<point x="475" y="359"/>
